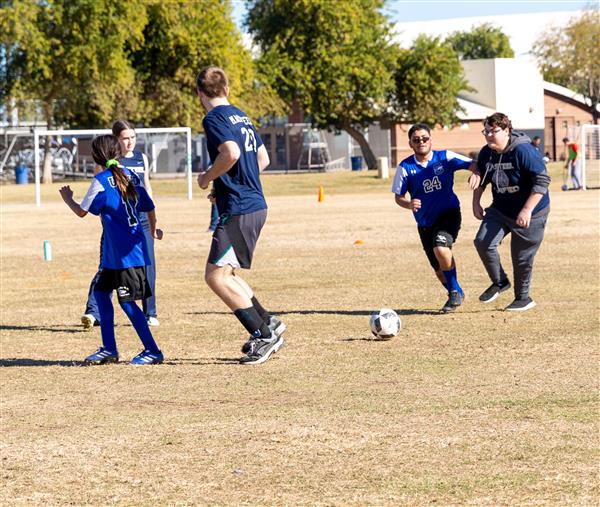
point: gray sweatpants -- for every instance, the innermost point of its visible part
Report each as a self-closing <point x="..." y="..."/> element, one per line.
<point x="524" y="245"/>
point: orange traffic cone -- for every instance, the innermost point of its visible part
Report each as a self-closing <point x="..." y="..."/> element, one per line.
<point x="321" y="197"/>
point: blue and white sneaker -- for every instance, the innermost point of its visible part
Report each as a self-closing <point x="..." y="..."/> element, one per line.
<point x="102" y="356"/>
<point x="147" y="357"/>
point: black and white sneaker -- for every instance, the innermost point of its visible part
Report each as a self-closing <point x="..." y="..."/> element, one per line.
<point x="493" y="291"/>
<point x="261" y="349"/>
<point x="455" y="299"/>
<point x="521" y="305"/>
<point x="277" y="327"/>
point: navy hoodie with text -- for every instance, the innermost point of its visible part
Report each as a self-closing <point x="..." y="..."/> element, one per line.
<point x="514" y="174"/>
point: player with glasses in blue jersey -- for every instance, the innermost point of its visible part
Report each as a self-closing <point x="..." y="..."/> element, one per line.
<point x="428" y="176"/>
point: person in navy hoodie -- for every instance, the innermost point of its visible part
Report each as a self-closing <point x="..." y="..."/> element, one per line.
<point x="520" y="207"/>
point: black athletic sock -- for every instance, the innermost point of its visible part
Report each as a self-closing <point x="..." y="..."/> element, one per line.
<point x="264" y="314"/>
<point x="253" y="322"/>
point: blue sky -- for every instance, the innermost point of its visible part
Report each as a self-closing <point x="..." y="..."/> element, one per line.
<point x="422" y="10"/>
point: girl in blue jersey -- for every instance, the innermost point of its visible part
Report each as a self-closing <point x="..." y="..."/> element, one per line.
<point x="136" y="162"/>
<point x="116" y="194"/>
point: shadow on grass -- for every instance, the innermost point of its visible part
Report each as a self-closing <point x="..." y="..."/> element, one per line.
<point x="53" y="329"/>
<point x="174" y="361"/>
<point x="38" y="362"/>
<point x="408" y="311"/>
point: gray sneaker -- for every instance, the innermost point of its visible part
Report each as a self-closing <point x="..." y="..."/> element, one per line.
<point x="261" y="349"/>
<point x="277" y="328"/>
<point x="455" y="299"/>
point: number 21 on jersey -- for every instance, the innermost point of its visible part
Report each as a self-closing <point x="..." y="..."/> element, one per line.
<point x="250" y="139"/>
<point x="432" y="184"/>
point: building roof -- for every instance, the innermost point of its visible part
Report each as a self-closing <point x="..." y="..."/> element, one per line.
<point x="473" y="110"/>
<point x="568" y="94"/>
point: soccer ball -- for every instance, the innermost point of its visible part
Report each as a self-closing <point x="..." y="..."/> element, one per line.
<point x="385" y="324"/>
<point x="564" y="187"/>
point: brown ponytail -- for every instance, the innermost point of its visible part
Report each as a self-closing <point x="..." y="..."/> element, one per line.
<point x="105" y="152"/>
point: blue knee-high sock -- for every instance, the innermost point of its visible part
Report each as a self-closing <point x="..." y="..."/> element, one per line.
<point x="138" y="320"/>
<point x="451" y="280"/>
<point x="107" y="320"/>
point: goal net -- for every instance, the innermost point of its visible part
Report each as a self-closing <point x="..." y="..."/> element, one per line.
<point x="590" y="156"/>
<point x="169" y="153"/>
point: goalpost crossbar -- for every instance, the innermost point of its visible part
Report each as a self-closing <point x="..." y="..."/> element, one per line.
<point x="37" y="133"/>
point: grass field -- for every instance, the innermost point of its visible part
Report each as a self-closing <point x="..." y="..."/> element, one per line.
<point x="480" y="407"/>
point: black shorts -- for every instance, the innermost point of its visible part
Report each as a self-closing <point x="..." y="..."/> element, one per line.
<point x="234" y="239"/>
<point x="448" y="222"/>
<point x="131" y="284"/>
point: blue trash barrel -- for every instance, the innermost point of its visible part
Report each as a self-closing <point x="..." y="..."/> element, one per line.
<point x="356" y="163"/>
<point x="22" y="175"/>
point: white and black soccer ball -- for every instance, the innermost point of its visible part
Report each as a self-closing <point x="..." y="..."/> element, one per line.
<point x="385" y="324"/>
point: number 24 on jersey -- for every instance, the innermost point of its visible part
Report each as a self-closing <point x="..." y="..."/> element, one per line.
<point x="432" y="184"/>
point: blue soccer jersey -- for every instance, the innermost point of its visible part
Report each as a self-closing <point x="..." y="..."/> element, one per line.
<point x="136" y="164"/>
<point x="239" y="190"/>
<point x="124" y="245"/>
<point x="432" y="183"/>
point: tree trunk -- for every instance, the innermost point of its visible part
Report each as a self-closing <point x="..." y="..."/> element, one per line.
<point x="47" y="163"/>
<point x="367" y="152"/>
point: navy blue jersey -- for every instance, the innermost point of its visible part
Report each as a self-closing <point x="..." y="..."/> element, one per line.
<point x="513" y="175"/>
<point x="124" y="244"/>
<point x="238" y="191"/>
<point x="432" y="183"/>
<point x="136" y="164"/>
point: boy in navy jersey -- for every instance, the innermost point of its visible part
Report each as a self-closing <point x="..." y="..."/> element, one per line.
<point x="237" y="155"/>
<point x="520" y="206"/>
<point x="428" y="176"/>
<point x="117" y="196"/>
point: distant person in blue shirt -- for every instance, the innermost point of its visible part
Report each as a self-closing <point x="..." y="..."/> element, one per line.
<point x="117" y="195"/>
<point x="237" y="156"/>
<point x="428" y="176"/>
<point x="520" y="207"/>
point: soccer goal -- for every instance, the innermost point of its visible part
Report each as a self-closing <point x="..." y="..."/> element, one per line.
<point x="169" y="152"/>
<point x="590" y="156"/>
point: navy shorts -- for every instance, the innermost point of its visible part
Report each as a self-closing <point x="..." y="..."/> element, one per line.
<point x="131" y="284"/>
<point x="448" y="222"/>
<point x="234" y="239"/>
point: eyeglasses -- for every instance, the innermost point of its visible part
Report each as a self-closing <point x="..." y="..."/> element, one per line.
<point x="417" y="140"/>
<point x="490" y="132"/>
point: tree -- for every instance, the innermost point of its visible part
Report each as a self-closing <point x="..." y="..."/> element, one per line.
<point x="483" y="41"/>
<point x="428" y="79"/>
<point x="180" y="39"/>
<point x="570" y="56"/>
<point x="334" y="58"/>
<point x="70" y="56"/>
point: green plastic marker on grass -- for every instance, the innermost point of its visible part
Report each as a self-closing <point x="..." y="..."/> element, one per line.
<point x="47" y="250"/>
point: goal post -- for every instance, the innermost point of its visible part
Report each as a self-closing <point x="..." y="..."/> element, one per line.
<point x="590" y="156"/>
<point x="170" y="146"/>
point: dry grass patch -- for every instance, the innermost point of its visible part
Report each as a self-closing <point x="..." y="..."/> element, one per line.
<point x="478" y="407"/>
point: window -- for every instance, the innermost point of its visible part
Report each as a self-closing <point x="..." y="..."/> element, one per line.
<point x="280" y="157"/>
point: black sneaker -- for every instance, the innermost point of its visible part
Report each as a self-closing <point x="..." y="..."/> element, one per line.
<point x="521" y="305"/>
<point x="277" y="328"/>
<point x="493" y="291"/>
<point x="455" y="299"/>
<point x="261" y="349"/>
